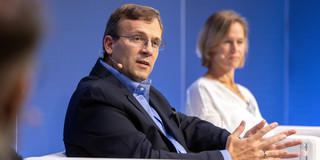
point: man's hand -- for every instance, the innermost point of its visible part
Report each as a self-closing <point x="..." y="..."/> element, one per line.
<point x="253" y="146"/>
<point x="286" y="144"/>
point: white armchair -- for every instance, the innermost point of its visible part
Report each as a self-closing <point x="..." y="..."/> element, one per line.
<point x="309" y="135"/>
<point x="54" y="156"/>
<point x="62" y="156"/>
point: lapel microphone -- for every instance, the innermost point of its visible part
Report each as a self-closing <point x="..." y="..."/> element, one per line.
<point x="119" y="65"/>
<point x="176" y="115"/>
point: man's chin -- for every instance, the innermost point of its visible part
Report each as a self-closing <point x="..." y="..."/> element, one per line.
<point x="141" y="77"/>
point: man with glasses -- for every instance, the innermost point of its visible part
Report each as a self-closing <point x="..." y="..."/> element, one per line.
<point x="115" y="112"/>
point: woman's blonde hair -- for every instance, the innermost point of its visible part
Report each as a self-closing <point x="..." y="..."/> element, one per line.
<point x="215" y="30"/>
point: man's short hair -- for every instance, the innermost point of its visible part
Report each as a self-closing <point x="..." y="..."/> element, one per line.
<point x="132" y="12"/>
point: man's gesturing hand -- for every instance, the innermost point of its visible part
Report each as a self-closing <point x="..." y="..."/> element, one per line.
<point x="253" y="146"/>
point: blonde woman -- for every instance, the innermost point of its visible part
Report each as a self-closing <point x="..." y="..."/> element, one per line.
<point x="215" y="96"/>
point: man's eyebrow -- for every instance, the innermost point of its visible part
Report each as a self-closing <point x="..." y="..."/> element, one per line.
<point x="138" y="33"/>
<point x="141" y="33"/>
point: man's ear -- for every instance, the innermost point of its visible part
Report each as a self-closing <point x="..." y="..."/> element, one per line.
<point x="108" y="44"/>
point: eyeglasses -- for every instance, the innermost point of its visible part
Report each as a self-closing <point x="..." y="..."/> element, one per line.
<point x="141" y="42"/>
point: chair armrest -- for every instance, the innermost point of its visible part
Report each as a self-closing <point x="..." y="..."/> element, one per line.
<point x="310" y="135"/>
<point x="312" y="143"/>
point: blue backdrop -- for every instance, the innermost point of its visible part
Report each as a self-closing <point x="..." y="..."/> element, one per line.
<point x="281" y="68"/>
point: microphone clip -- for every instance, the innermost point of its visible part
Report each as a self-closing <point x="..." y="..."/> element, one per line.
<point x="176" y="116"/>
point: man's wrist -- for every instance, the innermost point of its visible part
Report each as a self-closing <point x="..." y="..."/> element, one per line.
<point x="226" y="155"/>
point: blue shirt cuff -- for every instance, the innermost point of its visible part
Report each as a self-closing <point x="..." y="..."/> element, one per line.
<point x="226" y="154"/>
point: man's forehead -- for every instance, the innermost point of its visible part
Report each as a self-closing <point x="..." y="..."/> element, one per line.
<point x="139" y="26"/>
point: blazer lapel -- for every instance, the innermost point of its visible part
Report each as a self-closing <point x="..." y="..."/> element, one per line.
<point x="134" y="101"/>
<point x="106" y="75"/>
<point x="169" y="119"/>
<point x="148" y="119"/>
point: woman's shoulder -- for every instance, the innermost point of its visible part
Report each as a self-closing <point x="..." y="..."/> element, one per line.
<point x="203" y="83"/>
<point x="245" y="90"/>
<point x="243" y="87"/>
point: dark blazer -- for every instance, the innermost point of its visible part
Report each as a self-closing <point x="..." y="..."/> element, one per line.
<point x="105" y="120"/>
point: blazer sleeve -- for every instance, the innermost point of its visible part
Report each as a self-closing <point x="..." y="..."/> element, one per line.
<point x="201" y="135"/>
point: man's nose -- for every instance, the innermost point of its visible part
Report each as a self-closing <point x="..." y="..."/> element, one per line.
<point x="148" y="47"/>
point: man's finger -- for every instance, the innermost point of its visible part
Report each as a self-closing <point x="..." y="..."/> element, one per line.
<point x="290" y="155"/>
<point x="289" y="132"/>
<point x="255" y="129"/>
<point x="264" y="130"/>
<point x="271" y="140"/>
<point x="281" y="154"/>
<point x="287" y="144"/>
<point x="239" y="129"/>
<point x="275" y="153"/>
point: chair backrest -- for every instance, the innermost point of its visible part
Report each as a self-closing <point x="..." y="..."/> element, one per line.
<point x="301" y="130"/>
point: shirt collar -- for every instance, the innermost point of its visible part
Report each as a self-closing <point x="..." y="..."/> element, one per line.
<point x="142" y="88"/>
